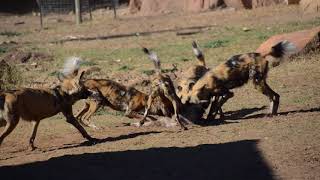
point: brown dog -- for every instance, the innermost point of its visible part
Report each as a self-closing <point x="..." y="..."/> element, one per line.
<point x="120" y="98"/>
<point x="36" y="104"/>
<point x="237" y="71"/>
<point x="157" y="91"/>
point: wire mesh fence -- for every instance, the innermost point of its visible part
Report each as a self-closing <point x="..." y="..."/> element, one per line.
<point x="47" y="7"/>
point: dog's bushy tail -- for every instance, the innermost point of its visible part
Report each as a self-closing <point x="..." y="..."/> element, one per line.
<point x="282" y="49"/>
<point x="71" y="66"/>
<point x="153" y="56"/>
<point x="197" y="51"/>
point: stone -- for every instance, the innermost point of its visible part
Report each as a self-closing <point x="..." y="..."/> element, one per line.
<point x="305" y="41"/>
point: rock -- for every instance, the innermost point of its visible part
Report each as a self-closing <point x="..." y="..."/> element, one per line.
<point x="288" y="2"/>
<point x="239" y="4"/>
<point x="135" y="6"/>
<point x="153" y="7"/>
<point x="305" y="41"/>
<point x="201" y="5"/>
<point x="310" y="6"/>
<point x="262" y="3"/>
<point x="249" y="4"/>
<point x="245" y="29"/>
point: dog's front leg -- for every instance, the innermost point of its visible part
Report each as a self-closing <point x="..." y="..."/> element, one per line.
<point x="177" y="115"/>
<point x="213" y="107"/>
<point x="72" y="120"/>
<point x="152" y="96"/>
<point x="33" y="136"/>
<point x="216" y="106"/>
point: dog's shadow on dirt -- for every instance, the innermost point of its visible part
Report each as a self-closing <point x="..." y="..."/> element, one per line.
<point x="244" y="114"/>
<point x="236" y="160"/>
<point x="104" y="140"/>
<point x="249" y="113"/>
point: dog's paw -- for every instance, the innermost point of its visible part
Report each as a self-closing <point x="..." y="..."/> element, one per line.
<point x="137" y="124"/>
<point x="184" y="128"/>
<point x="93" y="141"/>
<point x="32" y="148"/>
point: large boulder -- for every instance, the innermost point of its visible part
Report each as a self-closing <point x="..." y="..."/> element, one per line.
<point x="152" y="7"/>
<point x="249" y="4"/>
<point x="135" y="6"/>
<point x="239" y="4"/>
<point x="201" y="5"/>
<point x="310" y="6"/>
<point x="305" y="41"/>
<point x="292" y="2"/>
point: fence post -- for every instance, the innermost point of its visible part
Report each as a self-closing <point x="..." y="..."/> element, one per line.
<point x="78" y="12"/>
<point x="41" y="13"/>
<point x="115" y="4"/>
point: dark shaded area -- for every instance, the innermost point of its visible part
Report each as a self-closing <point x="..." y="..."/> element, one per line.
<point x="237" y="161"/>
<point x="18" y="6"/>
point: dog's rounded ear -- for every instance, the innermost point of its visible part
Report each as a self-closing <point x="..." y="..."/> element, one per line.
<point x="60" y="76"/>
<point x="80" y="75"/>
<point x="191" y="85"/>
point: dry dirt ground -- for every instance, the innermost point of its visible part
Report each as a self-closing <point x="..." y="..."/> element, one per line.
<point x="247" y="145"/>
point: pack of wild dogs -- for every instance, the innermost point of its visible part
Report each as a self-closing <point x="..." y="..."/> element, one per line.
<point x="200" y="91"/>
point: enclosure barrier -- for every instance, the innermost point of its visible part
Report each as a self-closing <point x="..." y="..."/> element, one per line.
<point x="77" y="7"/>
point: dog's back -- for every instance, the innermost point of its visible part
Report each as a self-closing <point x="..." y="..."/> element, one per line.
<point x="114" y="92"/>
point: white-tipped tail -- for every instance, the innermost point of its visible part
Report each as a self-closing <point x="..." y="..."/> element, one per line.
<point x="288" y="48"/>
<point x="282" y="49"/>
<point x="196" y="49"/>
<point x="71" y="65"/>
<point x="153" y="56"/>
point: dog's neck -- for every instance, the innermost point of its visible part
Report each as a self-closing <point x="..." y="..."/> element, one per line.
<point x="63" y="97"/>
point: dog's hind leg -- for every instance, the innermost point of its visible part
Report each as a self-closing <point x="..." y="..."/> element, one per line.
<point x="273" y="96"/>
<point x="12" y="121"/>
<point x="177" y="115"/>
<point x="33" y="135"/>
<point x="147" y="109"/>
<point x="81" y="113"/>
<point x="93" y="107"/>
<point x="72" y="120"/>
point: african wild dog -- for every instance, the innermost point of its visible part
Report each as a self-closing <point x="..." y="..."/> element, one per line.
<point x="35" y="105"/>
<point x="237" y="71"/>
<point x="120" y="98"/>
<point x="157" y="91"/>
<point x="191" y="76"/>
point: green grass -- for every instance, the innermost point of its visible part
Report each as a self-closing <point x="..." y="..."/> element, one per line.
<point x="125" y="68"/>
<point x="216" y="43"/>
<point x="9" y="33"/>
<point x="104" y="111"/>
<point x="3" y="50"/>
